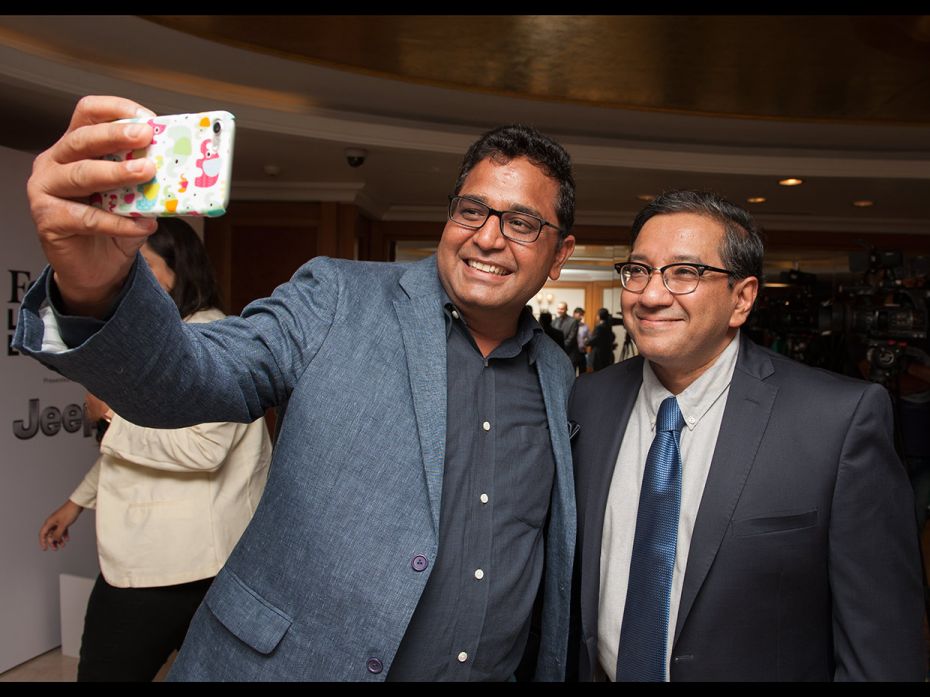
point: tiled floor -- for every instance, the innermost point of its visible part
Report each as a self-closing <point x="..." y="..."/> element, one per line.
<point x="54" y="667"/>
<point x="49" y="667"/>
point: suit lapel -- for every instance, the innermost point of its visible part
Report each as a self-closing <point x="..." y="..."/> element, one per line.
<point x="419" y="315"/>
<point x="747" y="413"/>
<point x="602" y="450"/>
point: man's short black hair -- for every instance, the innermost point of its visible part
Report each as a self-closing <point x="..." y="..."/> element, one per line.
<point x="743" y="248"/>
<point x="505" y="143"/>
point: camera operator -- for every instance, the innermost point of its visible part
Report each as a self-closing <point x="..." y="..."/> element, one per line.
<point x="914" y="413"/>
<point x="902" y="367"/>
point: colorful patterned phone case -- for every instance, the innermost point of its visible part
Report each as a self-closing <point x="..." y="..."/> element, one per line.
<point x="193" y="168"/>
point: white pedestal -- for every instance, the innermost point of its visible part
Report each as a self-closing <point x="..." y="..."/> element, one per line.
<point x="74" y="592"/>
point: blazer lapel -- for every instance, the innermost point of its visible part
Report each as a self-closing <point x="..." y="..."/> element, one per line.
<point x="561" y="531"/>
<point x="608" y="417"/>
<point x="419" y="315"/>
<point x="555" y="396"/>
<point x="749" y="407"/>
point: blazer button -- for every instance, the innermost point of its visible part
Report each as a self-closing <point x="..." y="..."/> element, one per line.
<point x="419" y="563"/>
<point x="375" y="665"/>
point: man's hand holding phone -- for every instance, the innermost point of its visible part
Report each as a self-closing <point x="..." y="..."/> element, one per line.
<point x="90" y="250"/>
<point x="90" y="244"/>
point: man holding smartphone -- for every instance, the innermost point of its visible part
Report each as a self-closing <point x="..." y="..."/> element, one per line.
<point x="416" y="505"/>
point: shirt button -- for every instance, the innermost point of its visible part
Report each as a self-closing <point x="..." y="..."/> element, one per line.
<point x="419" y="563"/>
<point x="463" y="657"/>
<point x="486" y="425"/>
<point x="374" y="665"/>
<point x="484" y="498"/>
<point x="455" y="313"/>
<point x="479" y="574"/>
<point x="691" y="419"/>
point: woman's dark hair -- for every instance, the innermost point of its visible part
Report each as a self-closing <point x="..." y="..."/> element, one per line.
<point x="603" y="315"/>
<point x="195" y="285"/>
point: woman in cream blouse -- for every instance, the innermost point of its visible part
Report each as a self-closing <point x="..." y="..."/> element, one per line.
<point x="171" y="503"/>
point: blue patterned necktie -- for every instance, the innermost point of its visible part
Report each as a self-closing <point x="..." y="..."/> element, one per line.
<point x="644" y="632"/>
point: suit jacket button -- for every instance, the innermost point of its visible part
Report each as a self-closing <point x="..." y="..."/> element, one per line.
<point x="375" y="665"/>
<point x="419" y="563"/>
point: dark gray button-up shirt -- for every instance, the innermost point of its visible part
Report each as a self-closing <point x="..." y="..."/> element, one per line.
<point x="473" y="618"/>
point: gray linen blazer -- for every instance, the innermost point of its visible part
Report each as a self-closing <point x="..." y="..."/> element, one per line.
<point x="320" y="586"/>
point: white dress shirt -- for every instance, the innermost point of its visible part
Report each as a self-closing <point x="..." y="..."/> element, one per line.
<point x="702" y="404"/>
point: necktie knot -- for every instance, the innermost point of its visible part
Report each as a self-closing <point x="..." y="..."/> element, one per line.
<point x="670" y="418"/>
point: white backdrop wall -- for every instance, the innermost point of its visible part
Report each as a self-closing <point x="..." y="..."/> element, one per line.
<point x="46" y="447"/>
<point x="547" y="299"/>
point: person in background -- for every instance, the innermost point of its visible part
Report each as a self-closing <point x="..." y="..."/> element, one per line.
<point x="602" y="341"/>
<point x="581" y="361"/>
<point x="569" y="327"/>
<point x="170" y="504"/>
<point x="545" y="321"/>
<point x="913" y="402"/>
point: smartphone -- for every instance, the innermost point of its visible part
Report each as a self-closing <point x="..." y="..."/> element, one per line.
<point x="193" y="168"/>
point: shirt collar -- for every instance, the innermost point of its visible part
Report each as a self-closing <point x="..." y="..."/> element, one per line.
<point x="527" y="336"/>
<point x="696" y="399"/>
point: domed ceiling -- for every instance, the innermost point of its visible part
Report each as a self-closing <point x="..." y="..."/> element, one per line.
<point x="642" y="103"/>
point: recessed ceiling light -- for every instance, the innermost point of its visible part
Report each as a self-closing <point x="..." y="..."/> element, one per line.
<point x="863" y="203"/>
<point x="646" y="197"/>
<point x="756" y="199"/>
<point x="790" y="181"/>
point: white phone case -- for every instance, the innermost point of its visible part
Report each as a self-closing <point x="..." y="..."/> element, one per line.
<point x="193" y="168"/>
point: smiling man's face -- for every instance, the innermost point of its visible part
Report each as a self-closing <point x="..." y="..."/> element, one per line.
<point x="682" y="335"/>
<point x="488" y="277"/>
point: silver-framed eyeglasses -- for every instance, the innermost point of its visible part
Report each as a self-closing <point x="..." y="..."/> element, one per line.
<point x="680" y="278"/>
<point x="515" y="225"/>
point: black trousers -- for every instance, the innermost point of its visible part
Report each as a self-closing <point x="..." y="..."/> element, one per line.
<point x="130" y="632"/>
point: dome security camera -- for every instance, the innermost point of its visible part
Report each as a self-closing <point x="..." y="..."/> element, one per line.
<point x="355" y="157"/>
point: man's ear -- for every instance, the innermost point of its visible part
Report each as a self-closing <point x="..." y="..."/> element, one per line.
<point x="562" y="254"/>
<point x="745" y="291"/>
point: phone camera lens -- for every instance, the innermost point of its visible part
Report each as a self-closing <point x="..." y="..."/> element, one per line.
<point x="216" y="126"/>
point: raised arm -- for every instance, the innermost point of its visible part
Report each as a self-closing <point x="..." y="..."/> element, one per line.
<point x="90" y="250"/>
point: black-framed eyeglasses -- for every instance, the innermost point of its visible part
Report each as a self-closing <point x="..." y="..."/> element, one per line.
<point x="515" y="225"/>
<point x="680" y="278"/>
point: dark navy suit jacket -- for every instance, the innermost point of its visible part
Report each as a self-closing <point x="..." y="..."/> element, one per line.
<point x="804" y="562"/>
